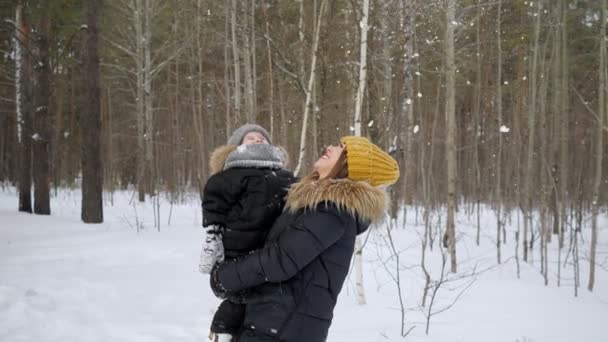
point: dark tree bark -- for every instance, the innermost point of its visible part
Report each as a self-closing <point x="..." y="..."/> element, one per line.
<point x="42" y="137"/>
<point x="90" y="120"/>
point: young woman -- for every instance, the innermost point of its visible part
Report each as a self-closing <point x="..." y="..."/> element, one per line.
<point x="295" y="279"/>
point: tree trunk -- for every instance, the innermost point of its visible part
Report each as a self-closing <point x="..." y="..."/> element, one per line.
<point x="498" y="200"/>
<point x="599" y="146"/>
<point x="90" y="120"/>
<point x="407" y="103"/>
<point x="311" y="80"/>
<point x="149" y="135"/>
<point x="531" y="133"/>
<point x="359" y="285"/>
<point x="236" y="64"/>
<point x="140" y="100"/>
<point x="451" y="132"/>
<point x="362" y="67"/>
<point x="23" y="102"/>
<point x="42" y="136"/>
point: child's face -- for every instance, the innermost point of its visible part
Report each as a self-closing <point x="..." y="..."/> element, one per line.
<point x="254" y="138"/>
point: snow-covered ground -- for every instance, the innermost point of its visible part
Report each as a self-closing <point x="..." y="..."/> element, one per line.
<point x="62" y="280"/>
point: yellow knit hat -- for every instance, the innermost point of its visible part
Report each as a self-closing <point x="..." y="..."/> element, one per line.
<point x="368" y="162"/>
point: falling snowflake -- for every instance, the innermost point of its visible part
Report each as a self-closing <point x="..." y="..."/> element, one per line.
<point x="504" y="129"/>
<point x="370" y="124"/>
<point x="416" y="129"/>
<point x="419" y="95"/>
<point x="408" y="101"/>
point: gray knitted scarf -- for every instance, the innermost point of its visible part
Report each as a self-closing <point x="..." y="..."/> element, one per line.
<point x="256" y="156"/>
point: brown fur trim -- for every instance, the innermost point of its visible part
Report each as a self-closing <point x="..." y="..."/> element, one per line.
<point x="218" y="158"/>
<point x="355" y="197"/>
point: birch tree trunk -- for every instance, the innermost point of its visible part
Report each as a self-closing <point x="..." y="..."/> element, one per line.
<point x="477" y="120"/>
<point x="599" y="145"/>
<point x="311" y="80"/>
<point x="90" y="120"/>
<point x="359" y="285"/>
<point x="498" y="199"/>
<point x="23" y="103"/>
<point x="270" y="73"/>
<point x="140" y="97"/>
<point x="407" y="103"/>
<point x="531" y="133"/>
<point x="362" y="67"/>
<point x="148" y="109"/>
<point x="248" y="54"/>
<point x="451" y="133"/>
<point x="563" y="98"/>
<point x="236" y="64"/>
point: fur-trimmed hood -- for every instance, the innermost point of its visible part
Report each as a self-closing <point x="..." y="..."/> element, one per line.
<point x="358" y="198"/>
<point x="227" y="156"/>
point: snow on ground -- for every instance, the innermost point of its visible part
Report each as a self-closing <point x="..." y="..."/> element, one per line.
<point x="61" y="280"/>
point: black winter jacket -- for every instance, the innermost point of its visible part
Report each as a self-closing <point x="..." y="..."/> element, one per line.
<point x="297" y="276"/>
<point x="245" y="201"/>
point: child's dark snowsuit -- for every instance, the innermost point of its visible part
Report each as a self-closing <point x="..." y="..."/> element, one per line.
<point x="241" y="202"/>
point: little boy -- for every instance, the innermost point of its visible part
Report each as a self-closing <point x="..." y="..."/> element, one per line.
<point x="241" y="200"/>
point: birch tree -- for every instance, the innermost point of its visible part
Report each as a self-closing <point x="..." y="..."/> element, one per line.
<point x="23" y="106"/>
<point x="450" y="234"/>
<point x="311" y="80"/>
<point x="531" y="126"/>
<point x="602" y="112"/>
<point x="359" y="285"/>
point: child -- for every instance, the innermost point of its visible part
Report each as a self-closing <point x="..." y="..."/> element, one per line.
<point x="241" y="200"/>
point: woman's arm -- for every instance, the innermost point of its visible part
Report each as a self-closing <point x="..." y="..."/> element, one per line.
<point x="278" y="261"/>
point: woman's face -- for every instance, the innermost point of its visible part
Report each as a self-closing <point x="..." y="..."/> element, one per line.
<point x="328" y="160"/>
<point x="254" y="138"/>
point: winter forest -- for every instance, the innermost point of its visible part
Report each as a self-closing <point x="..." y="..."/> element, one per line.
<point x="496" y="111"/>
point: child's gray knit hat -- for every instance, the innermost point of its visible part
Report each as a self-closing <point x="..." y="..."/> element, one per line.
<point x="237" y="137"/>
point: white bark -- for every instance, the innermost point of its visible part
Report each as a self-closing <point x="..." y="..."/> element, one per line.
<point x="236" y="63"/>
<point x="531" y="134"/>
<point x="407" y="103"/>
<point x="451" y="132"/>
<point x="599" y="146"/>
<point x="140" y="100"/>
<point x="17" y="41"/>
<point x="148" y="116"/>
<point x="362" y="67"/>
<point x="498" y="199"/>
<point x="311" y="80"/>
<point x="359" y="285"/>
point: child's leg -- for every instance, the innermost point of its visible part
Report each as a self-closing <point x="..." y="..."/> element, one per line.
<point x="228" y="318"/>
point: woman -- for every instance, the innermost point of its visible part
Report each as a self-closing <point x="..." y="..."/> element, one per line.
<point x="296" y="278"/>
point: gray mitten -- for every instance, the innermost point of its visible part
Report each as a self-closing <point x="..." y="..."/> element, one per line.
<point x="213" y="249"/>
